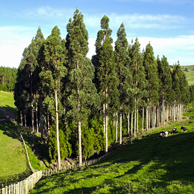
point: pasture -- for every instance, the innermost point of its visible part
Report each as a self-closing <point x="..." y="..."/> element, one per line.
<point x="148" y="165"/>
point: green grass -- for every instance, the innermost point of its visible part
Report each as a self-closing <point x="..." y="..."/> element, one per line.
<point x="7" y="101"/>
<point x="149" y="165"/>
<point x="13" y="163"/>
<point x="190" y="74"/>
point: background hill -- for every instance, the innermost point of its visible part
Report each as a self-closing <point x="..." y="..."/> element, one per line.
<point x="189" y="72"/>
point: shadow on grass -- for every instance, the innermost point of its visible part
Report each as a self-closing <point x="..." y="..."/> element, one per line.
<point x="9" y="129"/>
<point x="162" y="163"/>
<point x="8" y="110"/>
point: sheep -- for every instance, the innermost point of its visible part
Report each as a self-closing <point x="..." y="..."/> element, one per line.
<point x="174" y="130"/>
<point x="184" y="128"/>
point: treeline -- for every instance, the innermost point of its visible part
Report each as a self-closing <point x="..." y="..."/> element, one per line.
<point x="7" y="78"/>
<point x="81" y="105"/>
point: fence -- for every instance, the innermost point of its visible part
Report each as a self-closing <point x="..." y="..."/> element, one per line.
<point x="24" y="186"/>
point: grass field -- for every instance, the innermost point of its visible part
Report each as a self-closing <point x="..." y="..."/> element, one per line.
<point x="7" y="101"/>
<point x="149" y="165"/>
<point x="13" y="163"/>
<point x="190" y="74"/>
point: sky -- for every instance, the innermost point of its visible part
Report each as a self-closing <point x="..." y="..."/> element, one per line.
<point x="168" y="25"/>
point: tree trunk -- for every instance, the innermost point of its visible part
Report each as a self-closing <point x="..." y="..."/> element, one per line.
<point x="143" y="118"/>
<point x="32" y="109"/>
<point x="163" y="113"/>
<point x="106" y="137"/>
<point x="120" y="115"/>
<point x="104" y="117"/>
<point x="146" y="118"/>
<point x="25" y="122"/>
<point x="116" y="127"/>
<point x="36" y="116"/>
<point x="174" y="112"/>
<point x="131" y="123"/>
<point x="41" y="116"/>
<point x="57" y="132"/>
<point x="137" y="120"/>
<point x="21" y="119"/>
<point x="135" y="114"/>
<point x="128" y="122"/>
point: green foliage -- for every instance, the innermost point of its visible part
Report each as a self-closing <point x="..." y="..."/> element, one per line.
<point x="88" y="139"/>
<point x="99" y="141"/>
<point x="7" y="78"/>
<point x="65" y="147"/>
<point x="165" y="81"/>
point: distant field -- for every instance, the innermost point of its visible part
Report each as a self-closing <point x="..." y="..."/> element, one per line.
<point x="189" y="74"/>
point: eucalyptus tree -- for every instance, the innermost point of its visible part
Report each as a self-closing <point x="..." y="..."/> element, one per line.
<point x="166" y="93"/>
<point x="181" y="89"/>
<point x="53" y="70"/>
<point x="139" y="81"/>
<point x="83" y="93"/>
<point x="152" y="86"/>
<point x="105" y="75"/>
<point x="122" y="61"/>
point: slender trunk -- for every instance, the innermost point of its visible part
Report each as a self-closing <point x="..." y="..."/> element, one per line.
<point x="137" y="121"/>
<point x="135" y="114"/>
<point x="48" y="123"/>
<point x="181" y="113"/>
<point x="128" y="122"/>
<point x="116" y="127"/>
<point x="21" y="119"/>
<point x="158" y="116"/>
<point x="36" y="116"/>
<point x="57" y="132"/>
<point x="131" y="123"/>
<point x="104" y="117"/>
<point x="163" y="113"/>
<point x="25" y="123"/>
<point x="32" y="108"/>
<point x="174" y="112"/>
<point x="106" y="122"/>
<point x="120" y="142"/>
<point x="106" y="149"/>
<point x="41" y="116"/>
<point x="167" y="109"/>
<point x="146" y="118"/>
<point x="143" y="118"/>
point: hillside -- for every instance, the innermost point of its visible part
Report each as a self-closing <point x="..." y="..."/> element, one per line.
<point x="13" y="163"/>
<point x="149" y="165"/>
<point x="189" y="74"/>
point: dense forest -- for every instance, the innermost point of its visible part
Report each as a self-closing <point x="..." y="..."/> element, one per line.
<point x="81" y="106"/>
<point x="7" y="78"/>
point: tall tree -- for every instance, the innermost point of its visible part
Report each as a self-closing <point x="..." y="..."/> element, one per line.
<point x="105" y="75"/>
<point x="152" y="86"/>
<point x="166" y="93"/>
<point x="139" y="81"/>
<point x="52" y="72"/>
<point x="83" y="93"/>
<point x="122" y="61"/>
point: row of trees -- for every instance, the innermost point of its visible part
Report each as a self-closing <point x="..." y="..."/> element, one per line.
<point x="79" y="104"/>
<point x="7" y="78"/>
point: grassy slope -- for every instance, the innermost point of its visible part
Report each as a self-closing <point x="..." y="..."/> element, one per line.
<point x="190" y="74"/>
<point x="149" y="165"/>
<point x="7" y="101"/>
<point x="12" y="157"/>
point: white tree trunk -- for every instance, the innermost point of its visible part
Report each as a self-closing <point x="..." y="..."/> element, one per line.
<point x="57" y="132"/>
<point x="120" y="115"/>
